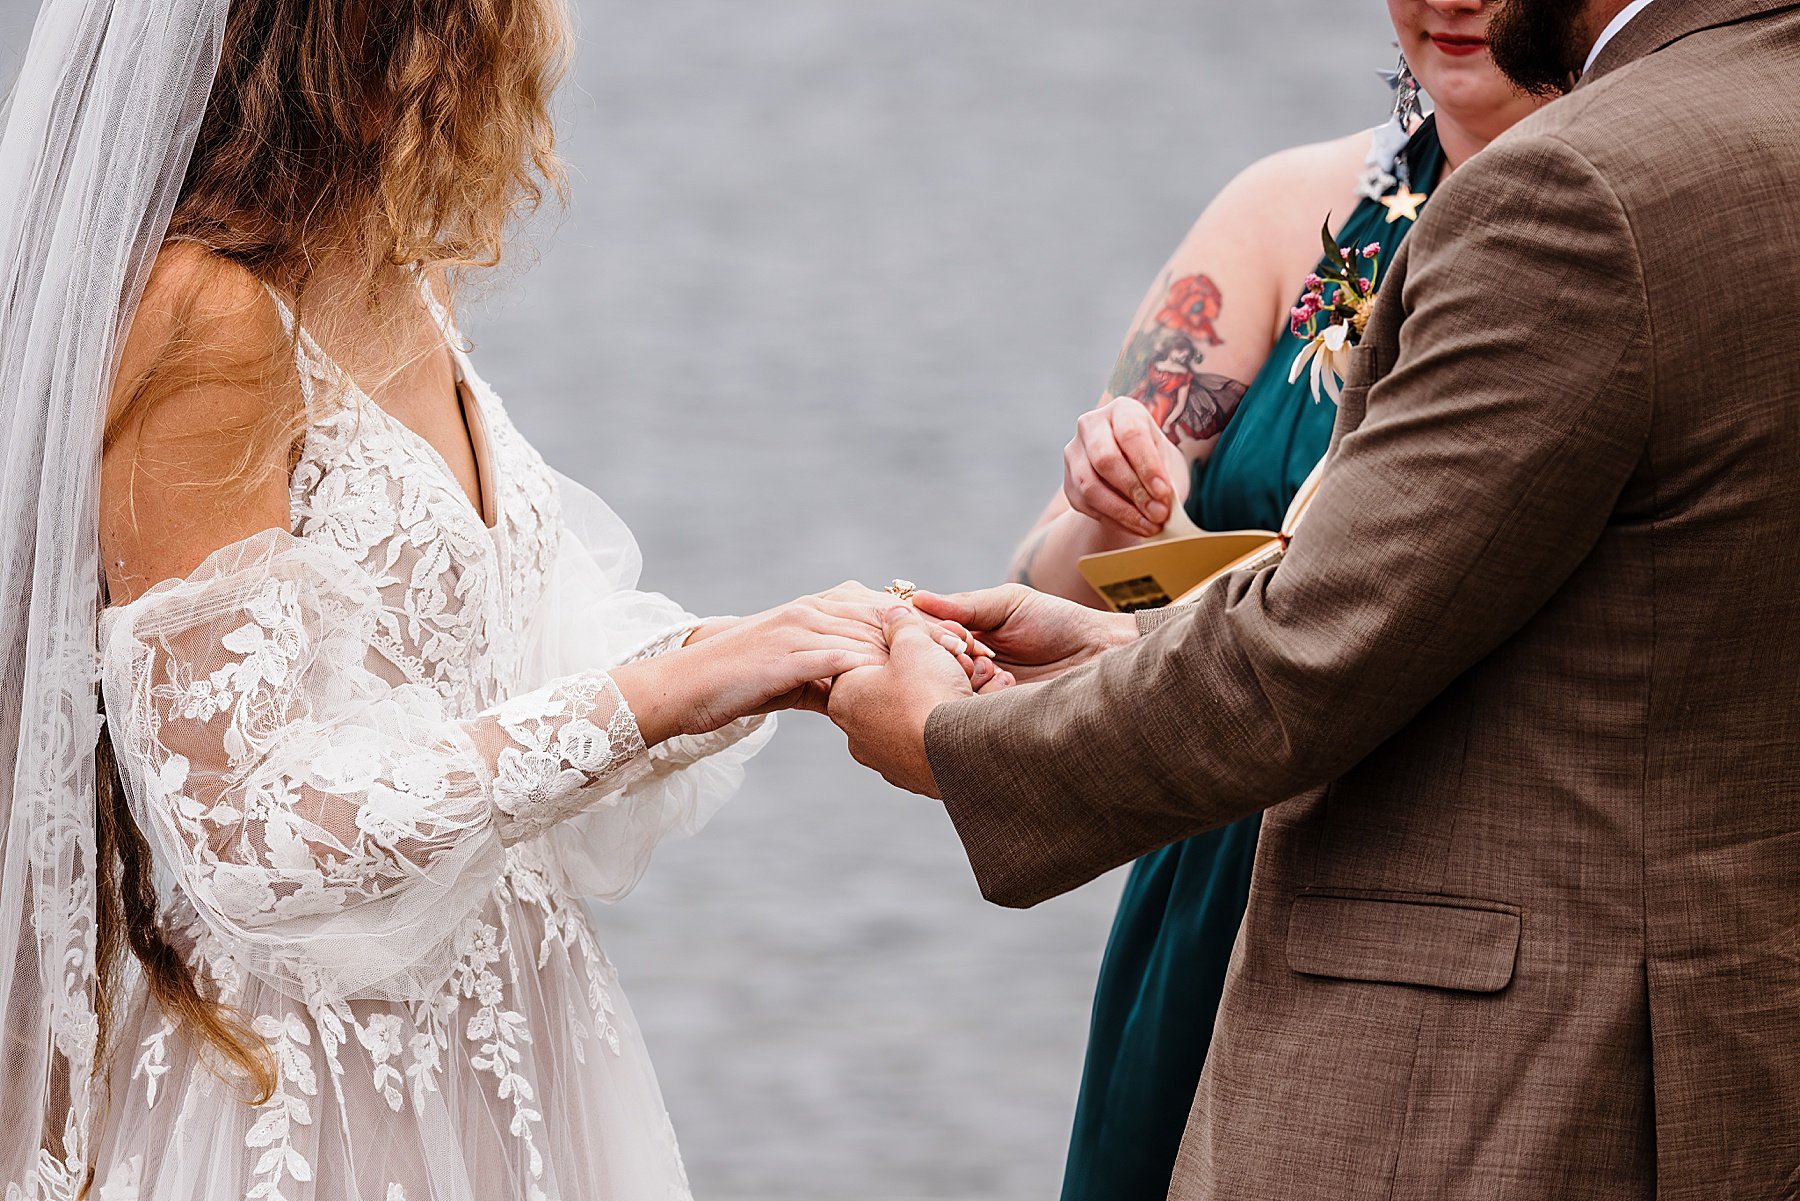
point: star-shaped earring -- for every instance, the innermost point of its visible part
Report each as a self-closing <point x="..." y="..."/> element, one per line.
<point x="1374" y="183"/>
<point x="1404" y="203"/>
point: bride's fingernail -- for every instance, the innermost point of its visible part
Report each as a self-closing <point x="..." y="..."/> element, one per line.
<point x="953" y="644"/>
<point x="1159" y="512"/>
<point x="1161" y="488"/>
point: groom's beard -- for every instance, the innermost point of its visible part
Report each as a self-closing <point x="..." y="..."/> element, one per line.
<point x="1541" y="45"/>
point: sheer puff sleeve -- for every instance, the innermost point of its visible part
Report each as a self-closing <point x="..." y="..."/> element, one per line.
<point x="330" y="827"/>
<point x="593" y="617"/>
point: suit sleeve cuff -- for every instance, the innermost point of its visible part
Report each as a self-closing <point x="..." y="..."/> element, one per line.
<point x="956" y="743"/>
<point x="1151" y="620"/>
<point x="947" y="744"/>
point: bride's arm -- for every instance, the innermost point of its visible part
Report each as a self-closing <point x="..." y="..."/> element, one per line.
<point x="334" y="827"/>
<point x="749" y="666"/>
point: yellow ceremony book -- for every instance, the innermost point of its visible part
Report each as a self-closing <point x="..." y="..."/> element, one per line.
<point x="1174" y="568"/>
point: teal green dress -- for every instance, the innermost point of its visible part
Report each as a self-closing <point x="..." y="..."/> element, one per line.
<point x="1164" y="970"/>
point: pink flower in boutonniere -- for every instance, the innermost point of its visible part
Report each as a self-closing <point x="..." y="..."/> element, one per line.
<point x="1333" y="313"/>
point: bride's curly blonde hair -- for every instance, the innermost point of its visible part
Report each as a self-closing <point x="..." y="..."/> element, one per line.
<point x="373" y="134"/>
<point x="407" y="132"/>
<point x="383" y="135"/>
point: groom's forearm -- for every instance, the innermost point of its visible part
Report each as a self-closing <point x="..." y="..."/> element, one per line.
<point x="1045" y="788"/>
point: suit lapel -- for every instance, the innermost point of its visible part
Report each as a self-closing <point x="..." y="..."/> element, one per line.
<point x="1666" y="22"/>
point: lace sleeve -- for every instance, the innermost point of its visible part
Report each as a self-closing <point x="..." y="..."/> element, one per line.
<point x="552" y="757"/>
<point x="593" y="617"/>
<point x="669" y="640"/>
<point x="331" y="826"/>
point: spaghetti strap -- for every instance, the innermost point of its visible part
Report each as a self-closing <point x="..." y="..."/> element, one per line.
<point x="459" y="346"/>
<point x="311" y="362"/>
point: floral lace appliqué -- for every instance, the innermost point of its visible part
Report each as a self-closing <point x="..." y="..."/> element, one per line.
<point x="339" y="740"/>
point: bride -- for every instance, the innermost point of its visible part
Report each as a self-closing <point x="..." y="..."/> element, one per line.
<point x="300" y="915"/>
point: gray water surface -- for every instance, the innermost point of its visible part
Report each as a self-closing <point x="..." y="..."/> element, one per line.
<point x="836" y="278"/>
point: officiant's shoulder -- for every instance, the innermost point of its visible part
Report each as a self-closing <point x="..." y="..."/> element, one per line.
<point x="1301" y="183"/>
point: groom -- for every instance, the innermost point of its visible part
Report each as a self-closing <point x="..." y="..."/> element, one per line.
<point x="1523" y="701"/>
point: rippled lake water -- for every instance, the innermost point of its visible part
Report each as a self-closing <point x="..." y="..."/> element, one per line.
<point x="834" y="282"/>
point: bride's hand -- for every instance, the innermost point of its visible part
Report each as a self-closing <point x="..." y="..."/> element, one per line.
<point x="977" y="660"/>
<point x="751" y="665"/>
<point x="852" y="602"/>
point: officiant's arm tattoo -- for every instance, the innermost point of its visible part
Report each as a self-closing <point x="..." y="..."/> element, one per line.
<point x="1160" y="366"/>
<point x="1026" y="560"/>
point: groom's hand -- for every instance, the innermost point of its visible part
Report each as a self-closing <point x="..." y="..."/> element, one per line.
<point x="1033" y="636"/>
<point x="884" y="709"/>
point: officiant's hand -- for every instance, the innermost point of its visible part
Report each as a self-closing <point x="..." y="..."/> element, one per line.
<point x="883" y="709"/>
<point x="1121" y="470"/>
<point x="1033" y="636"/>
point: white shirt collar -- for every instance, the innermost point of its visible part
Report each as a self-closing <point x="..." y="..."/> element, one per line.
<point x="1612" y="29"/>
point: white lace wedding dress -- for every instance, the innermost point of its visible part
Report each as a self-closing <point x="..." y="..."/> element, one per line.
<point x="380" y="762"/>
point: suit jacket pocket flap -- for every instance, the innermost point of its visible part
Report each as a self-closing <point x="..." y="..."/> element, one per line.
<point x="1469" y="946"/>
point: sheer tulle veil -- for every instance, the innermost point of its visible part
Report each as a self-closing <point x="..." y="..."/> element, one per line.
<point x="98" y="132"/>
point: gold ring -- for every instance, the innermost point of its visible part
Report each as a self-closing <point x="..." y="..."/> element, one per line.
<point x="903" y="589"/>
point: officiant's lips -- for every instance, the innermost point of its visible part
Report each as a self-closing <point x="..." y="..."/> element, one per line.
<point x="1458" y="46"/>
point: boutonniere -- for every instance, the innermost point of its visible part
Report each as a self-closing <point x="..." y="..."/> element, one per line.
<point x="1333" y="312"/>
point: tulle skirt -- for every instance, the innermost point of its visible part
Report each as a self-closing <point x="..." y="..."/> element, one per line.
<point x="524" y="1077"/>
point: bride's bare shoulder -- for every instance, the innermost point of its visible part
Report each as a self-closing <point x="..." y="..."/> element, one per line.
<point x="195" y="456"/>
<point x="196" y="297"/>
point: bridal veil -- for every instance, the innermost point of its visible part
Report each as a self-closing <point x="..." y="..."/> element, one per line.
<point x="98" y="132"/>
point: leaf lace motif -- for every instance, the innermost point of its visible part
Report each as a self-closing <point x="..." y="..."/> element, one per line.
<point x="556" y="749"/>
<point x="287" y="1107"/>
<point x="153" y="1063"/>
<point x="284" y="810"/>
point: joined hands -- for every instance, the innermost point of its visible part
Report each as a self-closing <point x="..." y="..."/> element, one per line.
<point x="884" y="708"/>
<point x="876" y="664"/>
<point x="784" y="658"/>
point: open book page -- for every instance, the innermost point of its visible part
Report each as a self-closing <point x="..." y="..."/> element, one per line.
<point x="1173" y="570"/>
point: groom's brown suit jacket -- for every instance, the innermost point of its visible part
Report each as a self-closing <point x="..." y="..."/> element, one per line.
<point x="1534" y="933"/>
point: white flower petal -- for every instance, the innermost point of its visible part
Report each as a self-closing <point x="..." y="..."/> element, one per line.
<point x="1307" y="352"/>
<point x="1334" y="383"/>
